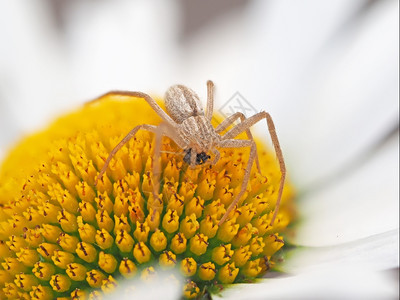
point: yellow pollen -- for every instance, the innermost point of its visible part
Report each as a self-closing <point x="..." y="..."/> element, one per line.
<point x="207" y="271"/>
<point x="273" y="243"/>
<point x="104" y="221"/>
<point x="222" y="254"/>
<point x="141" y="253"/>
<point x="87" y="252"/>
<point x="78" y="294"/>
<point x="107" y="262"/>
<point x="68" y="242"/>
<point x="148" y="274"/>
<point x="121" y="223"/>
<point x="124" y="241"/>
<point x="25" y="281"/>
<point x="40" y="292"/>
<point x="243" y="236"/>
<point x="28" y="256"/>
<point x="127" y="268"/>
<point x="88" y="212"/>
<point x="61" y="259"/>
<point x="103" y="239"/>
<point x="76" y="272"/>
<point x="208" y="226"/>
<point x="242" y="255"/>
<point x="191" y="290"/>
<point x="198" y="244"/>
<point x="257" y="246"/>
<point x="109" y="284"/>
<point x="227" y="231"/>
<point x="178" y="243"/>
<point x="95" y="278"/>
<point x="171" y="221"/>
<point x="141" y="232"/>
<point x="46" y="250"/>
<point x="188" y="266"/>
<point x="86" y="231"/>
<point x="228" y="273"/>
<point x="43" y="270"/>
<point x="195" y="206"/>
<point x="252" y="268"/>
<point x="167" y="260"/>
<point x="189" y="226"/>
<point x="158" y="241"/>
<point x="60" y="283"/>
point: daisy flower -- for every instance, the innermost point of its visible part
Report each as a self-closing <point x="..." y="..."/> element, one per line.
<point x="328" y="74"/>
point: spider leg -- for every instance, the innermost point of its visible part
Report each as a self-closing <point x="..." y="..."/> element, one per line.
<point x="166" y="118"/>
<point x="159" y="131"/>
<point x="162" y="130"/>
<point x="230" y="120"/>
<point x="156" y="165"/>
<point x="193" y="157"/>
<point x="247" y="123"/>
<point x="130" y="135"/>
<point x="217" y="156"/>
<point x="171" y="152"/>
<point x="151" y="128"/>
<point x="210" y="100"/>
<point x="232" y="143"/>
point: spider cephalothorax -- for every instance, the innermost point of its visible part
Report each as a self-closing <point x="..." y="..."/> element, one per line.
<point x="190" y="128"/>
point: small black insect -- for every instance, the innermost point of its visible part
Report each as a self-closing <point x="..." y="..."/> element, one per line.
<point x="201" y="157"/>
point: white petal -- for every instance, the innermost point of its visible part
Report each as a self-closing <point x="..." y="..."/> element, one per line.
<point x="337" y="282"/>
<point x="166" y="285"/>
<point x="354" y="96"/>
<point x="358" y="205"/>
<point x="375" y="253"/>
<point x="337" y="93"/>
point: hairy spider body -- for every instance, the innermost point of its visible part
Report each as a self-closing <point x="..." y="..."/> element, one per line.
<point x="190" y="128"/>
<point x="193" y="130"/>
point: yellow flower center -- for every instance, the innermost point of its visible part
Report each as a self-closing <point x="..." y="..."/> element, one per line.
<point x="62" y="236"/>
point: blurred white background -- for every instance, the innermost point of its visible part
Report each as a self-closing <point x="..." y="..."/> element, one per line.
<point x="326" y="71"/>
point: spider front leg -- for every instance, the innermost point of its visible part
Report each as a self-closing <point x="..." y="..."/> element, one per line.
<point x="216" y="158"/>
<point x="210" y="100"/>
<point x="159" y="132"/>
<point x="126" y="139"/>
<point x="166" y="118"/>
<point x="232" y="143"/>
<point x="193" y="157"/>
<point x="229" y="121"/>
<point x="162" y="130"/>
<point x="247" y="123"/>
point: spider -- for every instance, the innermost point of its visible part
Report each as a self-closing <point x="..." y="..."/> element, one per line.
<point x="186" y="123"/>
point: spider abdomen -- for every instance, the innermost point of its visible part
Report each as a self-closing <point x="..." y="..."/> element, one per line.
<point x="182" y="103"/>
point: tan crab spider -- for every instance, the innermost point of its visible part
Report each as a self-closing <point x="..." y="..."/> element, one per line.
<point x="190" y="128"/>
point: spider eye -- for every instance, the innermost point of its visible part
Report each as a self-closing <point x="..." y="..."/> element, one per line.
<point x="201" y="157"/>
